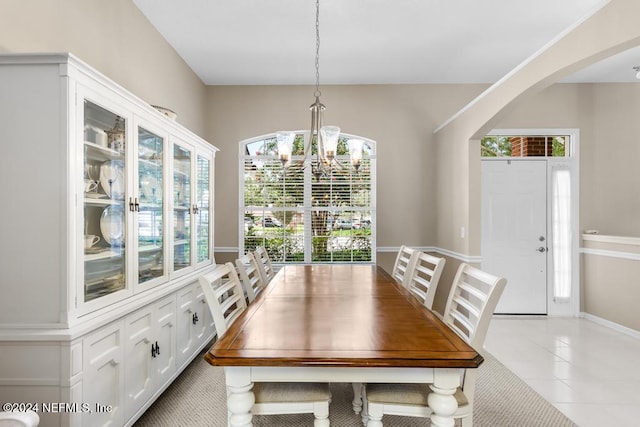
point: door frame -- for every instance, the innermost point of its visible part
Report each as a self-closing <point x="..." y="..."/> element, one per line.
<point x="572" y="308"/>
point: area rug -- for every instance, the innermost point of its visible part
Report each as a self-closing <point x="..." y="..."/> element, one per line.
<point x="198" y="398"/>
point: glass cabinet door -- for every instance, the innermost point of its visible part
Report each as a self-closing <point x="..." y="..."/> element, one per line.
<point x="104" y="202"/>
<point x="182" y="158"/>
<point x="149" y="208"/>
<point x="201" y="209"/>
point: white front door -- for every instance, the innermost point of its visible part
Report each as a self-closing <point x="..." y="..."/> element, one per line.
<point x="514" y="232"/>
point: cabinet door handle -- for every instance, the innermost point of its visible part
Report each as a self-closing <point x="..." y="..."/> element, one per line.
<point x="153" y="350"/>
<point x="194" y="318"/>
<point x="157" y="348"/>
<point x="132" y="206"/>
<point x="137" y="205"/>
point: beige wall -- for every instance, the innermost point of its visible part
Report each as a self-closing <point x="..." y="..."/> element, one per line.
<point x="400" y="118"/>
<point x="610" y="270"/>
<point x="607" y="117"/>
<point x="113" y="37"/>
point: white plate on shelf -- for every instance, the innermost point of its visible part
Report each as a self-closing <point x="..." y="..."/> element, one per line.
<point x="112" y="225"/>
<point x="112" y="178"/>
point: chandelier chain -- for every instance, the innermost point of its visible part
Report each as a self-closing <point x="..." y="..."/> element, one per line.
<point x="317" y="93"/>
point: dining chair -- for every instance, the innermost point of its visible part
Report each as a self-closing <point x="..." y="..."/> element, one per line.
<point x="27" y="418"/>
<point x="225" y="298"/>
<point x="404" y="259"/>
<point x="264" y="262"/>
<point x="473" y="298"/>
<point x="423" y="276"/>
<point x="250" y="275"/>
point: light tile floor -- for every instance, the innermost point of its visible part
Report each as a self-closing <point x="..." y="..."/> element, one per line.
<point x="588" y="371"/>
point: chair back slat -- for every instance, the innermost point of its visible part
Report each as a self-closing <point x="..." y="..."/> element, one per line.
<point x="224" y="295"/>
<point x="473" y="298"/>
<point x="251" y="276"/>
<point x="423" y="276"/>
<point x="264" y="264"/>
<point x="402" y="265"/>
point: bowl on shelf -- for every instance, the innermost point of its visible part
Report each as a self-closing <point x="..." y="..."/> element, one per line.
<point x="167" y="112"/>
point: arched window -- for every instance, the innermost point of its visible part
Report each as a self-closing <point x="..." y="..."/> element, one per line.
<point x="302" y="218"/>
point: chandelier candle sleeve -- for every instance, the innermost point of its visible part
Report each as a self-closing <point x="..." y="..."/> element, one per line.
<point x="355" y="152"/>
<point x="285" y="145"/>
<point x="330" y="135"/>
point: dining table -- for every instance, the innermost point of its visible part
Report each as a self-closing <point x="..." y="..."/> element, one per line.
<point x="340" y="323"/>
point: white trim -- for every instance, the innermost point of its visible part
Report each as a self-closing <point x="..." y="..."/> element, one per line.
<point x="472" y="259"/>
<point x="227" y="249"/>
<point x="611" y="254"/>
<point x="620" y="240"/>
<point x="609" y="324"/>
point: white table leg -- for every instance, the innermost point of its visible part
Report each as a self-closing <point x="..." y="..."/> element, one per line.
<point x="441" y="401"/>
<point x="357" y="397"/>
<point x="240" y="398"/>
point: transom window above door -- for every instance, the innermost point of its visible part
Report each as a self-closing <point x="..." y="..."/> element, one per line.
<point x="299" y="217"/>
<point x="525" y="146"/>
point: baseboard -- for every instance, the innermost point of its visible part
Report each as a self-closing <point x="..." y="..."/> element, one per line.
<point x="615" y="326"/>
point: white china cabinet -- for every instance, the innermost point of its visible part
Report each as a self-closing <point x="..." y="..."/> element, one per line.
<point x="107" y="226"/>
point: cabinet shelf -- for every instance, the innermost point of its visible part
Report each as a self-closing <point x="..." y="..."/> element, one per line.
<point x="102" y="254"/>
<point x="102" y="201"/>
<point x="151" y="163"/>
<point x="99" y="153"/>
<point x="143" y="247"/>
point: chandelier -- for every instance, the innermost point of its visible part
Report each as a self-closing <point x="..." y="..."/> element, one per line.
<point x="326" y="136"/>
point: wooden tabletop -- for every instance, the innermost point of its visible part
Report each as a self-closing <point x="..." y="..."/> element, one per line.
<point x="339" y="315"/>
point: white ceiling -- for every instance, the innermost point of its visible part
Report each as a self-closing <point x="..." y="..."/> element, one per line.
<point x="251" y="42"/>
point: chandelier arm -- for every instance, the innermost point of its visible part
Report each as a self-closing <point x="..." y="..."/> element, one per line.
<point x="307" y="149"/>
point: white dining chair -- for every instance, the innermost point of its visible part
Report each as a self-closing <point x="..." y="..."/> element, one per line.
<point x="404" y="260"/>
<point x="250" y="275"/>
<point x="225" y="298"/>
<point x="473" y="298"/>
<point x="423" y="277"/>
<point x="19" y="419"/>
<point x="264" y="262"/>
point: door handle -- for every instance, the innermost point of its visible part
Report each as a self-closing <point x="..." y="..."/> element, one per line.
<point x="541" y="249"/>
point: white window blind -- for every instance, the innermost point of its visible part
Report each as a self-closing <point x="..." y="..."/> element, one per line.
<point x="299" y="218"/>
